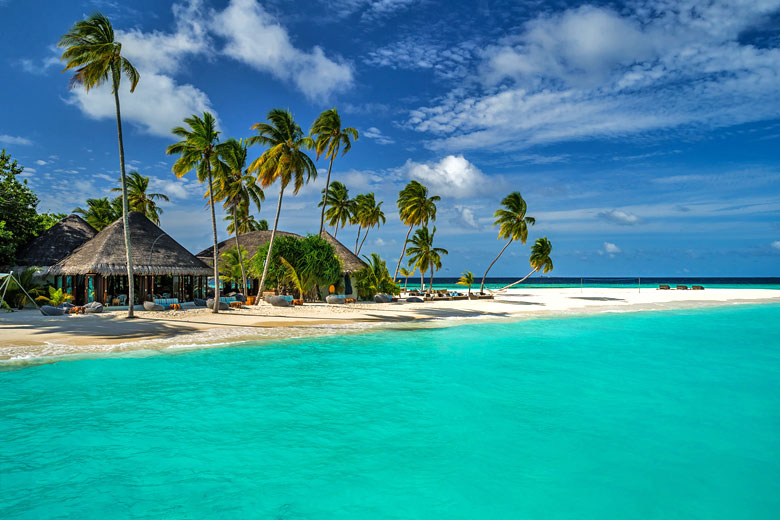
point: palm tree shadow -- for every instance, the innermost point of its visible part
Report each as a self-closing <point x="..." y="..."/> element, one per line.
<point x="597" y="298"/>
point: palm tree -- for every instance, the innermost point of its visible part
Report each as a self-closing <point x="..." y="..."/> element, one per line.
<point x="246" y="222"/>
<point x="237" y="188"/>
<point x="340" y="206"/>
<point x="406" y="273"/>
<point x="140" y="201"/>
<point x="423" y="255"/>
<point x="356" y="218"/>
<point x="91" y="49"/>
<point x="415" y="208"/>
<point x="284" y="160"/>
<point x="100" y="213"/>
<point x="513" y="225"/>
<point x="539" y="259"/>
<point x="232" y="267"/>
<point x="199" y="150"/>
<point x="370" y="215"/>
<point x="467" y="278"/>
<point x="329" y="137"/>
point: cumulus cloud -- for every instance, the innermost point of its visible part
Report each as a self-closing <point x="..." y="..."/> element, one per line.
<point x="465" y="217"/>
<point x="594" y="72"/>
<point x="776" y="244"/>
<point x="452" y="176"/>
<point x="377" y="135"/>
<point x="609" y="249"/>
<point x="619" y="217"/>
<point x="13" y="139"/>
<point x="256" y="38"/>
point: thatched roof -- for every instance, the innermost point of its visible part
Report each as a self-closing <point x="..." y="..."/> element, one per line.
<point x="56" y="243"/>
<point x="350" y="260"/>
<point x="254" y="240"/>
<point x="154" y="253"/>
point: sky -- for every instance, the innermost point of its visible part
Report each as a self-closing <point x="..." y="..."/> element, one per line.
<point x="644" y="135"/>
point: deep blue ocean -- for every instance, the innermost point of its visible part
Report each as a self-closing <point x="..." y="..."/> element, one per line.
<point x="644" y="415"/>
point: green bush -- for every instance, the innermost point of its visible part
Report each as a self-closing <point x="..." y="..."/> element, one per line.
<point x="374" y="279"/>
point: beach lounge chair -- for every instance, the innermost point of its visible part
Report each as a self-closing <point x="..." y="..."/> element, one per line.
<point x="663" y="287"/>
<point x="166" y="302"/>
<point x="682" y="287"/>
<point x="697" y="287"/>
<point x="122" y="299"/>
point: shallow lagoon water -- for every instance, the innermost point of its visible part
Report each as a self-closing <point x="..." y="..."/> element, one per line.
<point x="670" y="414"/>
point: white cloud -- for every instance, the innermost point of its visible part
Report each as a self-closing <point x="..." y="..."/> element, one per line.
<point x="39" y="67"/>
<point x="593" y="72"/>
<point x="776" y="244"/>
<point x="379" y="242"/>
<point x="11" y="139"/>
<point x="619" y="217"/>
<point x="445" y="59"/>
<point x="610" y="249"/>
<point x="465" y="217"/>
<point x="377" y="135"/>
<point x="452" y="176"/>
<point x="256" y="38"/>
<point x="40" y="162"/>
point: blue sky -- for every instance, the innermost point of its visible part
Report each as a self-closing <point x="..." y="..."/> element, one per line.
<point x="644" y="135"/>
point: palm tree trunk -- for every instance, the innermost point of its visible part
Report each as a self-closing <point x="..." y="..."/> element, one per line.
<point x="335" y="233"/>
<point x="431" y="286"/>
<point x="520" y="281"/>
<point x="482" y="286"/>
<point x="422" y="281"/>
<point x="125" y="208"/>
<point x="325" y="194"/>
<point x="363" y="242"/>
<point x="215" y="310"/>
<point x="406" y="282"/>
<point x="238" y="248"/>
<point x="270" y="246"/>
<point x="358" y="238"/>
<point x="403" y="252"/>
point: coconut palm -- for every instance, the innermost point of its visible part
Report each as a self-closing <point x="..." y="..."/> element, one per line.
<point x="246" y="222"/>
<point x="356" y="217"/>
<point x="232" y="267"/>
<point x="100" y="213"/>
<point x="329" y="138"/>
<point x="423" y="255"/>
<point x="199" y="150"/>
<point x="340" y="207"/>
<point x="370" y="214"/>
<point x="236" y="188"/>
<point x="140" y="201"/>
<point x="406" y="273"/>
<point x="415" y="208"/>
<point x="467" y="279"/>
<point x="284" y="160"/>
<point x="513" y="225"/>
<point x="539" y="259"/>
<point x="90" y="49"/>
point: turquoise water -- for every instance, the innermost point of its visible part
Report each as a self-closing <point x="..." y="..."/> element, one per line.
<point x="646" y="415"/>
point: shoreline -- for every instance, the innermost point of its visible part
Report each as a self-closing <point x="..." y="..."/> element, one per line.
<point x="27" y="338"/>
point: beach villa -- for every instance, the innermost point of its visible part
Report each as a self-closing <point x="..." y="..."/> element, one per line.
<point x="254" y="240"/>
<point x="55" y="243"/>
<point x="97" y="269"/>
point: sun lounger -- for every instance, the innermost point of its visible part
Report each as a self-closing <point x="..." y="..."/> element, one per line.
<point x="682" y="287"/>
<point x="697" y="287"/>
<point x="663" y="287"/>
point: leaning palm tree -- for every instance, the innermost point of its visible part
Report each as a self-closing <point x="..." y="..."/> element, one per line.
<point x="539" y="259"/>
<point x="199" y="150"/>
<point x="284" y="160"/>
<point x="90" y="49"/>
<point x="356" y="218"/>
<point x="100" y="213"/>
<point x="140" y="201"/>
<point x="513" y="225"/>
<point x="371" y="215"/>
<point x="329" y="137"/>
<point x="340" y="206"/>
<point x="467" y="279"/>
<point x="423" y="255"/>
<point x="237" y="189"/>
<point x="415" y="208"/>
<point x="246" y="222"/>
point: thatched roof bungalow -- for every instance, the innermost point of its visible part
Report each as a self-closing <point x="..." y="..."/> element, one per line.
<point x="56" y="243"/>
<point x="160" y="264"/>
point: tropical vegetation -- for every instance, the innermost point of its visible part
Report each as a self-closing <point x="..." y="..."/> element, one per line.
<point x="406" y="273"/>
<point x="415" y="208"/>
<point x="539" y="259"/>
<point x="21" y="288"/>
<point x="139" y="200"/>
<point x="285" y="160"/>
<point x="422" y="254"/>
<point x="96" y="57"/>
<point x="341" y="208"/>
<point x="56" y="297"/>
<point x="101" y="213"/>
<point x="374" y="279"/>
<point x="199" y="150"/>
<point x="329" y="138"/>
<point x="368" y="213"/>
<point x="513" y="225"/>
<point x="231" y="267"/>
<point x="466" y="279"/>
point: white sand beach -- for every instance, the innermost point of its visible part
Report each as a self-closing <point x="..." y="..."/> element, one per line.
<point x="26" y="335"/>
